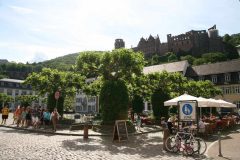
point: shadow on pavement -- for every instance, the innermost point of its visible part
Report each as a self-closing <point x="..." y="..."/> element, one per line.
<point x="143" y="145"/>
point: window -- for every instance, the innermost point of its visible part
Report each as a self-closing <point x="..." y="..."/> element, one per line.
<point x="201" y="78"/>
<point x="9" y="92"/>
<point x="227" y="77"/>
<point x="1" y="90"/>
<point x="239" y="76"/>
<point x="238" y="104"/>
<point x="237" y="89"/>
<point x="10" y="84"/>
<point x="227" y="90"/>
<point x="24" y="92"/>
<point x="16" y="92"/>
<point x="2" y="83"/>
<point x="214" y="79"/>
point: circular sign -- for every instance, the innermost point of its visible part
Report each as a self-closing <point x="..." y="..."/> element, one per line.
<point x="57" y="95"/>
<point x="187" y="109"/>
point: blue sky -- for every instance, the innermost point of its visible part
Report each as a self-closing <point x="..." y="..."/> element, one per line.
<point x="36" y="30"/>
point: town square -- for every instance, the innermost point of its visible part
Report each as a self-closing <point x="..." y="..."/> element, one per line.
<point x="130" y="79"/>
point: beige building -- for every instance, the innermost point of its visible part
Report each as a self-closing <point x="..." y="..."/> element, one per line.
<point x="225" y="75"/>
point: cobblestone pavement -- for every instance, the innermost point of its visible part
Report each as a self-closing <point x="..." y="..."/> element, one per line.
<point x="17" y="144"/>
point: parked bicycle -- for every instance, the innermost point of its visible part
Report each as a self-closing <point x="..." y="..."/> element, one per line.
<point x="185" y="142"/>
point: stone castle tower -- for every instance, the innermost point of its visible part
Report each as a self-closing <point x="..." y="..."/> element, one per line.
<point x="119" y="43"/>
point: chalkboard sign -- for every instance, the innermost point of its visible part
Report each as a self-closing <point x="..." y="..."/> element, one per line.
<point x="120" y="132"/>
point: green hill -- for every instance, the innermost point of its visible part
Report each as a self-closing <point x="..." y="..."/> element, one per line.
<point x="61" y="63"/>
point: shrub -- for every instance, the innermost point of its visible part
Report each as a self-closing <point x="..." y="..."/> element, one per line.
<point x="137" y="104"/>
<point x="157" y="99"/>
<point x="114" y="100"/>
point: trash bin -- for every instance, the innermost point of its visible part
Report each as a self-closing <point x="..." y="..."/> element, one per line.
<point x="77" y="118"/>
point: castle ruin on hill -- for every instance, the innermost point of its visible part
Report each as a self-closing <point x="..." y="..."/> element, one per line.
<point x="192" y="42"/>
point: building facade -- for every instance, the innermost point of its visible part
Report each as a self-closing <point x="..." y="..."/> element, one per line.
<point x="14" y="88"/>
<point x="225" y="75"/>
<point x="85" y="104"/>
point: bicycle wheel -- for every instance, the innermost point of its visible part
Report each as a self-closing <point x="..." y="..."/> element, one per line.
<point x="171" y="144"/>
<point x="199" y="145"/>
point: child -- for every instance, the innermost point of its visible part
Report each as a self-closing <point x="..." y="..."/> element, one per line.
<point x="138" y="122"/>
<point x="55" y="117"/>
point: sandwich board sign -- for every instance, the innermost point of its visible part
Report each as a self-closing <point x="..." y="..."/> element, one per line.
<point x="187" y="111"/>
<point x="120" y="131"/>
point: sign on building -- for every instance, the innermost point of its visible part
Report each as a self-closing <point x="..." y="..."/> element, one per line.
<point x="187" y="111"/>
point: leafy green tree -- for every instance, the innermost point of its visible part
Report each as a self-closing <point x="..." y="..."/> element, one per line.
<point x="4" y="98"/>
<point x="89" y="63"/>
<point x="204" y="89"/>
<point x="214" y="57"/>
<point x="48" y="81"/>
<point x="111" y="70"/>
<point x="26" y="100"/>
<point x="122" y="64"/>
<point x="199" y="61"/>
<point x="158" y="98"/>
<point x="172" y="58"/>
<point x="189" y="58"/>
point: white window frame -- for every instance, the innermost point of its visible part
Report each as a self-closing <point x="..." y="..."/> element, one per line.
<point x="214" y="78"/>
<point x="237" y="89"/>
<point x="227" y="77"/>
<point x="227" y="90"/>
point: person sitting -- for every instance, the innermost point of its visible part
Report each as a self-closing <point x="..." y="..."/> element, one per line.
<point x="201" y="126"/>
<point x="163" y="123"/>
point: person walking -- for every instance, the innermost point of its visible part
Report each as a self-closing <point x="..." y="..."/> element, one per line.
<point x="138" y="122"/>
<point x="54" y="117"/>
<point x="5" y="112"/>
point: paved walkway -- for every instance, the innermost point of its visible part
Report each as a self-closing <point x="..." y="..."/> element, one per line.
<point x="230" y="147"/>
<point x="146" y="146"/>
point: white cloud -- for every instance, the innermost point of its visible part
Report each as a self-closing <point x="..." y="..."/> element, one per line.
<point x="21" y="10"/>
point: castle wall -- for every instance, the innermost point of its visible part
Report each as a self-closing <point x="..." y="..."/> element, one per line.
<point x="193" y="42"/>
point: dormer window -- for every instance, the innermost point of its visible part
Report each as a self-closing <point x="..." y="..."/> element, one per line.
<point x="227" y="77"/>
<point x="214" y="78"/>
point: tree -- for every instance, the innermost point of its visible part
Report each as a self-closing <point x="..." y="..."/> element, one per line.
<point x="113" y="69"/>
<point x="172" y="58"/>
<point x="4" y="98"/>
<point x="114" y="100"/>
<point x="26" y="100"/>
<point x="122" y="64"/>
<point x="48" y="81"/>
<point x="157" y="100"/>
<point x="89" y="63"/>
<point x="189" y="58"/>
<point x="204" y="89"/>
<point x="214" y="57"/>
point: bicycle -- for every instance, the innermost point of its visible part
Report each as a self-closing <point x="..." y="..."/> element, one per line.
<point x="186" y="143"/>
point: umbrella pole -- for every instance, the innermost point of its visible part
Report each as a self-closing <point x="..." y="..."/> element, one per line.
<point x="200" y="112"/>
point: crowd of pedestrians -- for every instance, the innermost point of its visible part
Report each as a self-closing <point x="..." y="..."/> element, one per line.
<point x="36" y="117"/>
